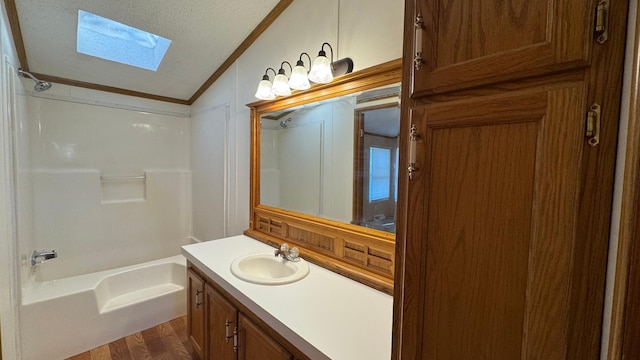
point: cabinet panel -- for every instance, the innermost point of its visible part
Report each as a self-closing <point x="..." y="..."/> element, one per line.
<point x="196" y="313"/>
<point x="469" y="43"/>
<point x="478" y="282"/>
<point x="222" y="328"/>
<point x="255" y="344"/>
<point x="496" y="195"/>
<point x="223" y="322"/>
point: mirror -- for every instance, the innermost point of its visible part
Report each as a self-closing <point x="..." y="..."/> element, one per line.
<point x="335" y="159"/>
<point x="324" y="173"/>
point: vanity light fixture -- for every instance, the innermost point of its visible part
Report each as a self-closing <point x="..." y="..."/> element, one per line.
<point x="264" y="87"/>
<point x="281" y="82"/>
<point x="299" y="79"/>
<point x="323" y="71"/>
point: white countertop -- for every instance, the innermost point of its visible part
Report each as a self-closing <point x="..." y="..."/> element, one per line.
<point x="325" y="315"/>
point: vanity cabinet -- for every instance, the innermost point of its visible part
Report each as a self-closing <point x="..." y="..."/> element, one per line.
<point x="222" y="325"/>
<point x="196" y="312"/>
<point x="257" y="344"/>
<point x="231" y="331"/>
<point x="504" y="219"/>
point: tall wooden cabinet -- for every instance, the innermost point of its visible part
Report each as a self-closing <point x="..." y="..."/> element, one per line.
<point x="466" y="43"/>
<point x="504" y="219"/>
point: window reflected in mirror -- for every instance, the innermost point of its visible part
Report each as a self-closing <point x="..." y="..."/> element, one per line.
<point x="376" y="170"/>
<point x="336" y="159"/>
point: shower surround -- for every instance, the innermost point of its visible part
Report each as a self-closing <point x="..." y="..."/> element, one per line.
<point x="107" y="184"/>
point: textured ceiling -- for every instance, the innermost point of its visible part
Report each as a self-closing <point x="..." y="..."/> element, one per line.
<point x="204" y="33"/>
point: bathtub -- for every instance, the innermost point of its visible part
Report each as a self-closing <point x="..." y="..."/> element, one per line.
<point x="65" y="317"/>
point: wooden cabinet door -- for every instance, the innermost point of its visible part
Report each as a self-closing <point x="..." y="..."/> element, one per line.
<point x="468" y="43"/>
<point x="196" y="313"/>
<point x="255" y="344"/>
<point x="222" y="321"/>
<point x="490" y="258"/>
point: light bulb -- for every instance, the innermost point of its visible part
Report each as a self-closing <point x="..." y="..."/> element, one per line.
<point x="321" y="70"/>
<point x="299" y="79"/>
<point x="281" y="85"/>
<point x="264" y="89"/>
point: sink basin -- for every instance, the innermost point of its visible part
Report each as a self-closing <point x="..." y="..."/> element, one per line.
<point x="266" y="269"/>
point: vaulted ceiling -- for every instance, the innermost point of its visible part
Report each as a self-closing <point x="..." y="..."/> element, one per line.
<point x="207" y="36"/>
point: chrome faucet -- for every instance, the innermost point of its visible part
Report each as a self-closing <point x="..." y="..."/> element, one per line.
<point x="292" y="254"/>
<point x="38" y="257"/>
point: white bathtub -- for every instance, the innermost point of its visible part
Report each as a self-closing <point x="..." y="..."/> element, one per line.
<point x="61" y="318"/>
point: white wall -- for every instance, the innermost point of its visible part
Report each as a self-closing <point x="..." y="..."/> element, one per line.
<point x="22" y="166"/>
<point x="337" y="204"/>
<point x="210" y="172"/>
<point x="235" y="154"/>
<point x="74" y="141"/>
<point x="269" y="164"/>
<point x="368" y="31"/>
<point x="308" y="166"/>
<point x="9" y="277"/>
<point x="616" y="207"/>
<point x="300" y="160"/>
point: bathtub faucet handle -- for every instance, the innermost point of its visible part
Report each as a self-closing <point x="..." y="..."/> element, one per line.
<point x="38" y="257"/>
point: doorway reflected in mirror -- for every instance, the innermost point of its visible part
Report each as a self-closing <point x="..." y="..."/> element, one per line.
<point x="376" y="149"/>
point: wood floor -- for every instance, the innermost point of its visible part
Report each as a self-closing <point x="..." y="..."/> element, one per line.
<point x="166" y="341"/>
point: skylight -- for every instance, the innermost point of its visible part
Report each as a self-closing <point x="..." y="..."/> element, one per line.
<point x="111" y="40"/>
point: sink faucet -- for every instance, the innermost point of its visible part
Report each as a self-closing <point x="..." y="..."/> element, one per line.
<point x="292" y="254"/>
<point x="38" y="257"/>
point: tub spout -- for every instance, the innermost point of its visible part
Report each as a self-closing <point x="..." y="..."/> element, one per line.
<point x="38" y="257"/>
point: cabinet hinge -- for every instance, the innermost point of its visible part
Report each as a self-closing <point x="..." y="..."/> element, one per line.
<point x="592" y="130"/>
<point x="235" y="339"/>
<point x="602" y="21"/>
<point x="198" y="302"/>
<point x="419" y="29"/>
<point x="413" y="140"/>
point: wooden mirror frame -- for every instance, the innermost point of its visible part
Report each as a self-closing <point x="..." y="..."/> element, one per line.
<point x="359" y="253"/>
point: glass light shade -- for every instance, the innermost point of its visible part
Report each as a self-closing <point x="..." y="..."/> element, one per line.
<point x="299" y="79"/>
<point x="281" y="85"/>
<point x="264" y="91"/>
<point x="321" y="71"/>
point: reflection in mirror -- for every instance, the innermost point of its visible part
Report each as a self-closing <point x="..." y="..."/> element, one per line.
<point x="375" y="168"/>
<point x="335" y="158"/>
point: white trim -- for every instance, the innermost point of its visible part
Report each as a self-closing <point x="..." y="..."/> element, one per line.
<point x="618" y="187"/>
<point x="227" y="170"/>
<point x="193" y="240"/>
<point x="209" y="108"/>
<point x="9" y="275"/>
<point x="109" y="104"/>
<point x="232" y="189"/>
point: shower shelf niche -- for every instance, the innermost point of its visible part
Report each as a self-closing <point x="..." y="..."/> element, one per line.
<point x="123" y="189"/>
